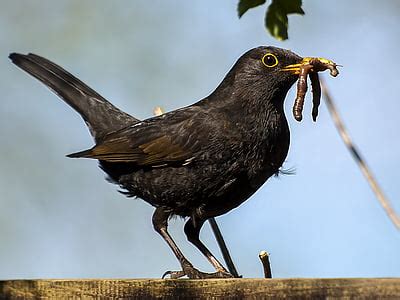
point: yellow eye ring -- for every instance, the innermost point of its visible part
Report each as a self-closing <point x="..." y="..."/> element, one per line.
<point x="269" y="60"/>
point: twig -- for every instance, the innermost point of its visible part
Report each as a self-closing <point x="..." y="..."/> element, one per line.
<point x="264" y="257"/>
<point x="224" y="249"/>
<point x="357" y="157"/>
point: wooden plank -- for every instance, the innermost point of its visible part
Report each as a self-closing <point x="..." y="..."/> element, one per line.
<point x="347" y="288"/>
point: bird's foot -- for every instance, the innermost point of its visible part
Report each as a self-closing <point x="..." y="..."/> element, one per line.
<point x="193" y="273"/>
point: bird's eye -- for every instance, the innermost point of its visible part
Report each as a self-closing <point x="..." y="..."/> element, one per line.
<point x="269" y="60"/>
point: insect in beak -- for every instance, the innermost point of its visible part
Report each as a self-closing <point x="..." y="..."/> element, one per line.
<point x="309" y="66"/>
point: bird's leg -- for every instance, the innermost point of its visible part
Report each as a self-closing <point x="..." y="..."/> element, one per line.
<point x="160" y="223"/>
<point x="192" y="231"/>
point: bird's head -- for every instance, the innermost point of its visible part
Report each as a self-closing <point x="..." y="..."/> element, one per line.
<point x="260" y="79"/>
<point x="274" y="66"/>
<point x="270" y="72"/>
<point x="265" y="67"/>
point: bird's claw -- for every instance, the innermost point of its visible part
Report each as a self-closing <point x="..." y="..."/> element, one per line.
<point x="173" y="274"/>
<point x="193" y="273"/>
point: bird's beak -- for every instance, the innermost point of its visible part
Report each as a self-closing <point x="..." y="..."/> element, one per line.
<point x="318" y="64"/>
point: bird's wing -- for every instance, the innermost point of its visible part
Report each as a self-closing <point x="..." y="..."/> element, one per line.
<point x="162" y="141"/>
<point x="155" y="150"/>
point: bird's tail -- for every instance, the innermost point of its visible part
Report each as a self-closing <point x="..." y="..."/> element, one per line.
<point x="100" y="115"/>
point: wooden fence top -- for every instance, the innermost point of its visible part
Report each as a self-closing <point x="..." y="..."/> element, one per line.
<point x="300" y="288"/>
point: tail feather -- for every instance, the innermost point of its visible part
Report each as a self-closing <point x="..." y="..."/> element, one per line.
<point x="81" y="154"/>
<point x="100" y="115"/>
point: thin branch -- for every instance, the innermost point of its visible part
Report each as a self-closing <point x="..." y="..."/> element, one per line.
<point x="357" y="157"/>
<point x="224" y="249"/>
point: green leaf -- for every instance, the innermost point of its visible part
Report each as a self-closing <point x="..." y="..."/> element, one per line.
<point x="290" y="6"/>
<point x="276" y="22"/>
<point x="276" y="18"/>
<point x="245" y="5"/>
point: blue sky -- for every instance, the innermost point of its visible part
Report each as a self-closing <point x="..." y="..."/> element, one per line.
<point x="60" y="219"/>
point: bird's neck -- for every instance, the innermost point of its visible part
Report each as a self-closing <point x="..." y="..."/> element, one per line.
<point x="263" y="117"/>
<point x="255" y="104"/>
<point x="255" y="112"/>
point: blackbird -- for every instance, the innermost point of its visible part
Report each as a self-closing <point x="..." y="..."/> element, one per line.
<point x="196" y="162"/>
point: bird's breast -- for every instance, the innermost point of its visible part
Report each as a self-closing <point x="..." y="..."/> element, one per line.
<point x="268" y="151"/>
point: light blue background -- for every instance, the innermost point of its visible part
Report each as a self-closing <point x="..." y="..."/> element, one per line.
<point x="60" y="219"/>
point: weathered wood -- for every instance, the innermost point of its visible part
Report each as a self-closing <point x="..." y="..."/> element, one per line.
<point x="347" y="288"/>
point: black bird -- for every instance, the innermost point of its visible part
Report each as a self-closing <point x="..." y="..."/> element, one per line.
<point x="196" y="162"/>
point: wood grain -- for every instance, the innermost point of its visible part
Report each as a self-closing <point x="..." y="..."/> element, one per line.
<point x="345" y="288"/>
